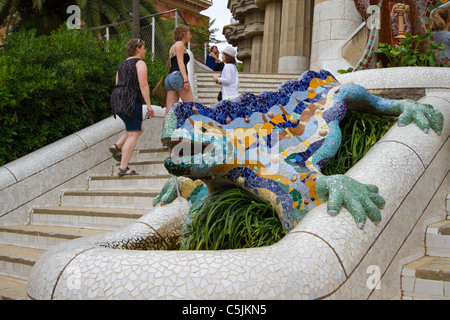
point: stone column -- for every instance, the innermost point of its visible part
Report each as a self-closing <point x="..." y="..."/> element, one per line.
<point x="254" y="28"/>
<point x="272" y="34"/>
<point x="234" y="34"/>
<point x="295" y="41"/>
<point x="249" y="31"/>
<point x="334" y="22"/>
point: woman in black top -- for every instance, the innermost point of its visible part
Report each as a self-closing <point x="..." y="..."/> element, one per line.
<point x="126" y="102"/>
<point x="177" y="82"/>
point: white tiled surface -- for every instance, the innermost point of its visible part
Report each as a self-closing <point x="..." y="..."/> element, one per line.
<point x="324" y="256"/>
<point x="436" y="80"/>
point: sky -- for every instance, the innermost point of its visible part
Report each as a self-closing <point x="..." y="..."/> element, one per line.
<point x="222" y="14"/>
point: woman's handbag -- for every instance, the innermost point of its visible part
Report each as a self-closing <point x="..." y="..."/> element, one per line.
<point x="159" y="91"/>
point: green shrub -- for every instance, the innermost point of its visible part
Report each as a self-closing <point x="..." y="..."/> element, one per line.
<point x="53" y="86"/>
<point x="409" y="52"/>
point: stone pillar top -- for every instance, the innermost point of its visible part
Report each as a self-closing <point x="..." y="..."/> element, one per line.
<point x="262" y="3"/>
<point x="240" y="8"/>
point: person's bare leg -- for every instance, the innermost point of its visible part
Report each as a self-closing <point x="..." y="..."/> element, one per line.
<point x="128" y="147"/>
<point x="121" y="140"/>
<point x="171" y="98"/>
<point x="186" y="96"/>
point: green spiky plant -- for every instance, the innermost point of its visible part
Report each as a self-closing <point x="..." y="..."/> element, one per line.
<point x="360" y="132"/>
<point x="232" y="219"/>
<point x="235" y="219"/>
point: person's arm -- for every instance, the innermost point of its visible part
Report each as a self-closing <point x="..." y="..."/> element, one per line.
<point x="143" y="85"/>
<point x="216" y="57"/>
<point x="179" y="52"/>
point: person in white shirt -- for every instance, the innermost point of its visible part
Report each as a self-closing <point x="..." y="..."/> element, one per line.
<point x="229" y="79"/>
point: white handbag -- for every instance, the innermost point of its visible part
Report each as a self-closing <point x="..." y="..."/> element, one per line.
<point x="144" y="112"/>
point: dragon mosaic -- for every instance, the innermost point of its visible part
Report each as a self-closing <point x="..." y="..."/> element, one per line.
<point x="274" y="145"/>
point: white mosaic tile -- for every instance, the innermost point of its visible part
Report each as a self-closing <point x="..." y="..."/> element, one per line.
<point x="323" y="254"/>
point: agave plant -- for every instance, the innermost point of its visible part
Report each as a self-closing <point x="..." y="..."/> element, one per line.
<point x="232" y="219"/>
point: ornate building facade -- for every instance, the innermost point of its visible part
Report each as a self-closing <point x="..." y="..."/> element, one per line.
<point x="292" y="36"/>
<point x="272" y="36"/>
<point x="190" y="9"/>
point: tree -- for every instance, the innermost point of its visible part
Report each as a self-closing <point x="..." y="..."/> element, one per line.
<point x="48" y="15"/>
<point x="136" y="20"/>
<point x="203" y="33"/>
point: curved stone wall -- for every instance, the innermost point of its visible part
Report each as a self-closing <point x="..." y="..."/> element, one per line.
<point x="323" y="257"/>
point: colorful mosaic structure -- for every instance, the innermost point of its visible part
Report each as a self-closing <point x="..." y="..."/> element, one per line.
<point x="275" y="144"/>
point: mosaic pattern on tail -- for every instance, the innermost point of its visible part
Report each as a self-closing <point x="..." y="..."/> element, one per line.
<point x="274" y="145"/>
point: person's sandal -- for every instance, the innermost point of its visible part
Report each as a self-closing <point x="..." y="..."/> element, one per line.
<point x="124" y="172"/>
<point x="115" y="152"/>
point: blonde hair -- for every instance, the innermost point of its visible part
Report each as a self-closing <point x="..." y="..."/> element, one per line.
<point x="180" y="31"/>
<point x="438" y="19"/>
<point x="133" y="44"/>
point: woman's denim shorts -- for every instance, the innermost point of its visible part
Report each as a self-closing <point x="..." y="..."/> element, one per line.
<point x="133" y="123"/>
<point x="174" y="81"/>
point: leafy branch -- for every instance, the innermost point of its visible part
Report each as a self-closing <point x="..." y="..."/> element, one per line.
<point x="408" y="53"/>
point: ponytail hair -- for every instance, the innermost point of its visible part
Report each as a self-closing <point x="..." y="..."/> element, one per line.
<point x="438" y="19"/>
<point x="133" y="44"/>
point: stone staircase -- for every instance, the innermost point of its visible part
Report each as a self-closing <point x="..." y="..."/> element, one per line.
<point x="429" y="276"/>
<point x="105" y="203"/>
<point x="206" y="90"/>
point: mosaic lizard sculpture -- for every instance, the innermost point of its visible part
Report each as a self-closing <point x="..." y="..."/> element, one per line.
<point x="274" y="145"/>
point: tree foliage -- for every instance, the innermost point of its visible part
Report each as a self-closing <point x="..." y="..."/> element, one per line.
<point x="47" y="15"/>
<point x="52" y="86"/>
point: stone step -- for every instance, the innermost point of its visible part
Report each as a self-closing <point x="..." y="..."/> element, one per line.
<point x="213" y="92"/>
<point x="152" y="154"/>
<point x="437" y="239"/>
<point x="41" y="236"/>
<point x="260" y="77"/>
<point x="426" y="278"/>
<point x="12" y="288"/>
<point x="86" y="217"/>
<point x="135" y="199"/>
<point x="16" y="261"/>
<point x="207" y="90"/>
<point x="250" y="87"/>
<point x="127" y="182"/>
<point x="147" y="167"/>
<point x="447" y="205"/>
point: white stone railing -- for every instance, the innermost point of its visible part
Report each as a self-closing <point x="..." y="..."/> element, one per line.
<point x="324" y="257"/>
<point x="34" y="179"/>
